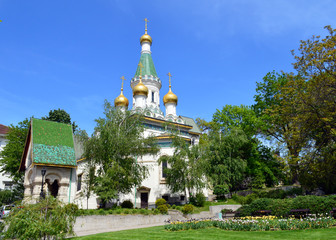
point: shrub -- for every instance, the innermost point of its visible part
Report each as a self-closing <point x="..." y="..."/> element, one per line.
<point x="71" y="208"/>
<point x="220" y="191"/>
<point x="173" y="207"/>
<point x="156" y="211"/>
<point x="134" y="211"/>
<point x="126" y="211"/>
<point x="198" y="200"/>
<point x="188" y="208"/>
<point x="163" y="209"/>
<point x="225" y="210"/>
<point x="47" y="219"/>
<point x="127" y="204"/>
<point x="118" y="211"/>
<point x="160" y="201"/>
<point x="101" y="211"/>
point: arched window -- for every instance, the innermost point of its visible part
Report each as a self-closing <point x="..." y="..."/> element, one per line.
<point x="153" y="97"/>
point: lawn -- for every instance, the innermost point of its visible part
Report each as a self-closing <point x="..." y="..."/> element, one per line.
<point x="213" y="233"/>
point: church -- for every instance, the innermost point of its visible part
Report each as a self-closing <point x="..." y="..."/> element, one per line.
<point x="52" y="158"/>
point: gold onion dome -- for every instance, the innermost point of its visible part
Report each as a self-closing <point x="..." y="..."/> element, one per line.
<point x="146" y="38"/>
<point x="140" y="89"/>
<point x="121" y="101"/>
<point x="170" y="97"/>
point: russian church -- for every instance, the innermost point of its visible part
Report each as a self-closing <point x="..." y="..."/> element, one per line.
<point x="52" y="159"/>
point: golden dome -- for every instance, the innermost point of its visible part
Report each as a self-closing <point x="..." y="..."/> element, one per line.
<point x="121" y="101"/>
<point x="146" y="38"/>
<point x="170" y="97"/>
<point x="140" y="89"/>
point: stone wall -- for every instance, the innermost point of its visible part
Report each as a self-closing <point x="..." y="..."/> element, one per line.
<point x="86" y="225"/>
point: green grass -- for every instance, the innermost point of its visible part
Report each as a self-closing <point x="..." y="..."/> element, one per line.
<point x="213" y="233"/>
<point x="208" y="204"/>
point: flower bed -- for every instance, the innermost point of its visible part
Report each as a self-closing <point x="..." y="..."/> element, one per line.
<point x="265" y="223"/>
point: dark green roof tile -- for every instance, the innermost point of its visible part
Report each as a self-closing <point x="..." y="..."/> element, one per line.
<point x="147" y="62"/>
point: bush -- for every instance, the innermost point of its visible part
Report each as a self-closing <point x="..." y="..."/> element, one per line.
<point x="188" y="208"/>
<point x="126" y="211"/>
<point x="220" y="191"/>
<point x="160" y="201"/>
<point x="225" y="210"/>
<point x="282" y="207"/>
<point x="198" y="200"/>
<point x="173" y="207"/>
<point x="47" y="219"/>
<point x="163" y="209"/>
<point x="156" y="211"/>
<point x="127" y="204"/>
<point x="134" y="211"/>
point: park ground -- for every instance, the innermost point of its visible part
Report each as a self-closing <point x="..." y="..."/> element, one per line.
<point x="212" y="233"/>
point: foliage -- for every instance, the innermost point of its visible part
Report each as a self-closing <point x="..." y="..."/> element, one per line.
<point x="198" y="200"/>
<point x="114" y="148"/>
<point x="127" y="204"/>
<point x="46" y="219"/>
<point x="160" y="201"/>
<point x="225" y="211"/>
<point x="220" y="191"/>
<point x="226" y="162"/>
<point x="10" y="157"/>
<point x="60" y="115"/>
<point x="7" y="197"/>
<point x="187" y="209"/>
<point x="262" y="224"/>
<point x="163" y="208"/>
<point x="282" y="207"/>
<point x="87" y="186"/>
<point x="186" y="167"/>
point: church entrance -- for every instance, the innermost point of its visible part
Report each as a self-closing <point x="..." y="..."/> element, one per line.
<point x="53" y="188"/>
<point x="144" y="200"/>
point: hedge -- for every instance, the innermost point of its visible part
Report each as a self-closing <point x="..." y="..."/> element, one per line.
<point x="282" y="207"/>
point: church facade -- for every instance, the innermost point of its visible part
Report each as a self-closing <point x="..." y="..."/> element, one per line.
<point x="65" y="168"/>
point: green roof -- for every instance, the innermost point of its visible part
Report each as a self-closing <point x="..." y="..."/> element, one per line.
<point x="147" y="62"/>
<point x="52" y="143"/>
<point x="191" y="122"/>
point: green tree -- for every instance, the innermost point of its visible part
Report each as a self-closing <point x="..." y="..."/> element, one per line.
<point x="60" y="115"/>
<point x="316" y="120"/>
<point x="114" y="149"/>
<point x="47" y="219"/>
<point x="88" y="183"/>
<point x="276" y="106"/>
<point x="10" y="157"/>
<point x="226" y="163"/>
<point x="186" y="167"/>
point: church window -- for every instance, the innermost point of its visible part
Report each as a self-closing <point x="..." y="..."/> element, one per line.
<point x="153" y="96"/>
<point x="79" y="182"/>
<point x="164" y="166"/>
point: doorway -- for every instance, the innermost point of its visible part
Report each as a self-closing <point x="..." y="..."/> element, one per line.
<point x="144" y="199"/>
<point x="53" y="188"/>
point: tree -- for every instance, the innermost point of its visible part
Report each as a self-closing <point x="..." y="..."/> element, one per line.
<point x="277" y="109"/>
<point x="186" y="167"/>
<point x="47" y="219"/>
<point x="10" y="157"/>
<point x="226" y="163"/>
<point x="114" y="149"/>
<point x="61" y="116"/>
<point x="316" y="65"/>
<point x="88" y="183"/>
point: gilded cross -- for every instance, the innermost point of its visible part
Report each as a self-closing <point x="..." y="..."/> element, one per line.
<point x="169" y="79"/>
<point x="146" y="21"/>
<point x="141" y="67"/>
<point x="122" y="82"/>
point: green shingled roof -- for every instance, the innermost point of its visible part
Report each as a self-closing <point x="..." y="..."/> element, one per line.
<point x="147" y="62"/>
<point x="191" y="122"/>
<point x="52" y="143"/>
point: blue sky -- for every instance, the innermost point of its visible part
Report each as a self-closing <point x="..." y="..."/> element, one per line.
<point x="71" y="54"/>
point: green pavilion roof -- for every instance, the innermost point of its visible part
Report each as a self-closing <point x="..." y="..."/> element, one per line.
<point x="52" y="143"/>
<point x="147" y="62"/>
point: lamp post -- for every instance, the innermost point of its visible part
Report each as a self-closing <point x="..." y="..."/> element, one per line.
<point x="43" y="172"/>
